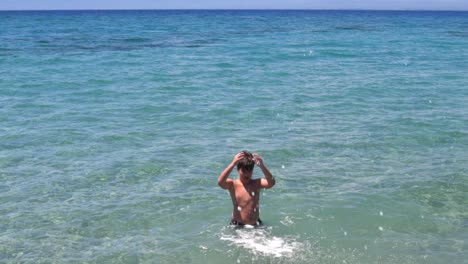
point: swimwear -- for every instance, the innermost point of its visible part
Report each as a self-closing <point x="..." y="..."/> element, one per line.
<point x="237" y="223"/>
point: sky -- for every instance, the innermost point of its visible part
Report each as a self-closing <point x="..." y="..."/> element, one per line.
<point x="457" y="5"/>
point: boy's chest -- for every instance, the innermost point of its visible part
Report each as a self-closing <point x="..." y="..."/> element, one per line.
<point x="246" y="192"/>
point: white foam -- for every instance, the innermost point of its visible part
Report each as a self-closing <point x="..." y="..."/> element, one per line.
<point x="259" y="241"/>
<point x="287" y="221"/>
<point x="202" y="247"/>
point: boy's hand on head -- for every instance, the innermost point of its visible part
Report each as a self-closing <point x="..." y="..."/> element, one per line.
<point x="238" y="157"/>
<point x="258" y="159"/>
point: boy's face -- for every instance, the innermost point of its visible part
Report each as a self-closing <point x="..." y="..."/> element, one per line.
<point x="245" y="174"/>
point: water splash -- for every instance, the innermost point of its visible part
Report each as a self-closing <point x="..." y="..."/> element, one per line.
<point x="260" y="242"/>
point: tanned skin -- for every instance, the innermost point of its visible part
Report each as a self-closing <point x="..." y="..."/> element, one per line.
<point x="245" y="191"/>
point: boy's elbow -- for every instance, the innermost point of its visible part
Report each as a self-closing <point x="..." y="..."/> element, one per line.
<point x="223" y="185"/>
<point x="271" y="183"/>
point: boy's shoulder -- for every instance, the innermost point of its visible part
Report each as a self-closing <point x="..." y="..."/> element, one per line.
<point x="252" y="182"/>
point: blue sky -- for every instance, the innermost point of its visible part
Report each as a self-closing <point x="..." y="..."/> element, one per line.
<point x="235" y="4"/>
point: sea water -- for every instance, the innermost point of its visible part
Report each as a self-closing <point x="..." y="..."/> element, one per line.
<point x="114" y="126"/>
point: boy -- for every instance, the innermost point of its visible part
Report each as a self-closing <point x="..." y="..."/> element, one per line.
<point x="245" y="191"/>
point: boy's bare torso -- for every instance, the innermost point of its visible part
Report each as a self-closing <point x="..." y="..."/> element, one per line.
<point x="245" y="201"/>
<point x="245" y="191"/>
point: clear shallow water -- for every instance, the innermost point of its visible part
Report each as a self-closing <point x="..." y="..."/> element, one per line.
<point x="115" y="126"/>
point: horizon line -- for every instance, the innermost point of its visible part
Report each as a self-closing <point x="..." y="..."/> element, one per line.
<point x="235" y="9"/>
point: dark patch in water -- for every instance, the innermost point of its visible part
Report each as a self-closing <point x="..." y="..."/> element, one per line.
<point x="70" y="44"/>
<point x="192" y="46"/>
<point x="136" y="40"/>
<point x="461" y="34"/>
<point x="356" y="28"/>
<point x="43" y="41"/>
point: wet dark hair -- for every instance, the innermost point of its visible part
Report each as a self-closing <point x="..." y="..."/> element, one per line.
<point x="247" y="163"/>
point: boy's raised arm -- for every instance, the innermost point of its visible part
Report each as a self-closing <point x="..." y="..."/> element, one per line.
<point x="269" y="180"/>
<point x="223" y="180"/>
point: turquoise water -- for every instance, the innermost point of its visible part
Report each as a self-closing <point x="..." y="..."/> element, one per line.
<point x="114" y="126"/>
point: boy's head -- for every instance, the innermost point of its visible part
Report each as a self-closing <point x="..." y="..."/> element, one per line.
<point x="247" y="163"/>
